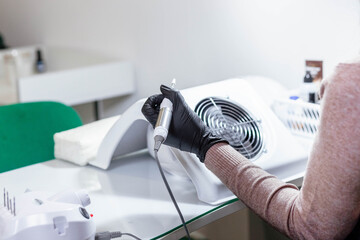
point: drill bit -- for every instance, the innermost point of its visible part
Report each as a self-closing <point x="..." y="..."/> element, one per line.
<point x="7" y="200"/>
<point x="14" y="207"/>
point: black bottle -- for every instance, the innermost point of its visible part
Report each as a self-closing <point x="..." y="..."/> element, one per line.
<point x="308" y="78"/>
<point x="39" y="64"/>
<point x="309" y="89"/>
<point x="2" y="42"/>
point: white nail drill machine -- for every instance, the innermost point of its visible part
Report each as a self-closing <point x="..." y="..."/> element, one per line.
<point x="40" y="215"/>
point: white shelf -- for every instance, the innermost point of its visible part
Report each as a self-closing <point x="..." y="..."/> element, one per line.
<point x="73" y="77"/>
<point x="77" y="86"/>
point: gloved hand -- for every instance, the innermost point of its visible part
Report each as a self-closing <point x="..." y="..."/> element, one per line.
<point x="187" y="131"/>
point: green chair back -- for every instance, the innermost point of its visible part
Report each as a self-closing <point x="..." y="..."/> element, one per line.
<point x="27" y="129"/>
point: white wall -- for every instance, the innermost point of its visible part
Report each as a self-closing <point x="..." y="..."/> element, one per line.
<point x="196" y="41"/>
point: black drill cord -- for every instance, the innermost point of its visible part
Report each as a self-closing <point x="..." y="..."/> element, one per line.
<point x="171" y="195"/>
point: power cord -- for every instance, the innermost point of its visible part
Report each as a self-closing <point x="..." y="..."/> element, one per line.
<point x="169" y="190"/>
<point x="110" y="235"/>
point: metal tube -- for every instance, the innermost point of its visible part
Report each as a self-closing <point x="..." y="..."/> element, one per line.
<point x="164" y="118"/>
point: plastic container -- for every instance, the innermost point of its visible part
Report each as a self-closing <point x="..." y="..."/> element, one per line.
<point x="301" y="118"/>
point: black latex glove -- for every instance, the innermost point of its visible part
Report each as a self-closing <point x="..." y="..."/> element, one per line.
<point x="187" y="131"/>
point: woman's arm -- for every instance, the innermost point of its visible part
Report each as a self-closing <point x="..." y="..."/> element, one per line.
<point x="328" y="205"/>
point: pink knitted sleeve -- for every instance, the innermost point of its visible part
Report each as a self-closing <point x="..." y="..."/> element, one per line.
<point x="328" y="204"/>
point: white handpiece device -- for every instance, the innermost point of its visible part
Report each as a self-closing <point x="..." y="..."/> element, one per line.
<point x="163" y="121"/>
<point x="160" y="134"/>
<point x="39" y="215"/>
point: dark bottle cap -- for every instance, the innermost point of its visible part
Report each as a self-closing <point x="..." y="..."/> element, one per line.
<point x="308" y="78"/>
<point x="2" y="42"/>
<point x="312" y="97"/>
<point x="38" y="55"/>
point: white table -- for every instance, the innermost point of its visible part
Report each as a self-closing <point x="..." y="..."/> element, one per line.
<point x="129" y="197"/>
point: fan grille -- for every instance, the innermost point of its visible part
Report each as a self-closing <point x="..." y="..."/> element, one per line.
<point x="234" y="123"/>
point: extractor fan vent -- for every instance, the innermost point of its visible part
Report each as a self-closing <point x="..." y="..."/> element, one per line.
<point x="234" y="123"/>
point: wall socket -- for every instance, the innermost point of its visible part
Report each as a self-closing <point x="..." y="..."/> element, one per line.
<point x="315" y="68"/>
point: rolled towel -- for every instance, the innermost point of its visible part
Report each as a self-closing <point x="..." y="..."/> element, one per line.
<point x="80" y="145"/>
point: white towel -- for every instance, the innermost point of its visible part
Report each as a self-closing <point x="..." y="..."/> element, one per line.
<point x="80" y="145"/>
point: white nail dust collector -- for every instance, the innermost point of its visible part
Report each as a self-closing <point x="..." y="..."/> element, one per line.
<point x="234" y="110"/>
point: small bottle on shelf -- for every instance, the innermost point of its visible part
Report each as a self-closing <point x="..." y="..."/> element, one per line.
<point x="39" y="64"/>
<point x="309" y="89"/>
